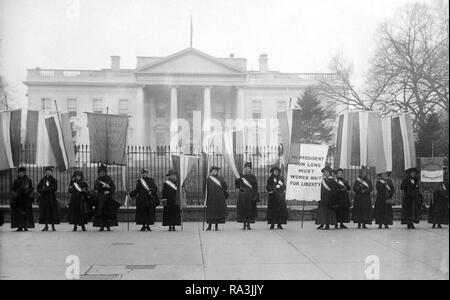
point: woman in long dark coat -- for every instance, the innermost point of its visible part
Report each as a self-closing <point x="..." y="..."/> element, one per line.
<point x="326" y="214"/>
<point x="105" y="207"/>
<point x="439" y="207"/>
<point x="362" y="212"/>
<point x="80" y="208"/>
<point x="48" y="205"/>
<point x="216" y="199"/>
<point x="277" y="212"/>
<point x="343" y="203"/>
<point x="246" y="210"/>
<point x="383" y="210"/>
<point x="412" y="199"/>
<point x="22" y="202"/>
<point x="171" y="212"/>
<point x="146" y="193"/>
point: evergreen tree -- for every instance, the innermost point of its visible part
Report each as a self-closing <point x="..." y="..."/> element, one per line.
<point x="314" y="127"/>
<point x="428" y="136"/>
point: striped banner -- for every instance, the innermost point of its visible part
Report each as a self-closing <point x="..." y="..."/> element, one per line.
<point x="233" y="151"/>
<point x="44" y="150"/>
<point x="358" y="139"/>
<point x="386" y="165"/>
<point x="15" y="135"/>
<point x="31" y="133"/>
<point x="365" y="138"/>
<point x="6" y="158"/>
<point x="184" y="165"/>
<point x="60" y="136"/>
<point x="290" y="128"/>
<point x="403" y="147"/>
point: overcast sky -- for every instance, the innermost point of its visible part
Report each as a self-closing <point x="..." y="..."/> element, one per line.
<point x="297" y="35"/>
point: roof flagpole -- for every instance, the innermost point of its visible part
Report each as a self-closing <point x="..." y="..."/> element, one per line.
<point x="192" y="30"/>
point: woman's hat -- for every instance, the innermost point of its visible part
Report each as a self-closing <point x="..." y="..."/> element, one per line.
<point x="327" y="169"/>
<point x="77" y="173"/>
<point x="49" y="168"/>
<point x="214" y="168"/>
<point x="144" y="171"/>
<point x="249" y="165"/>
<point x="21" y="169"/>
<point x="275" y="168"/>
<point x="102" y="167"/>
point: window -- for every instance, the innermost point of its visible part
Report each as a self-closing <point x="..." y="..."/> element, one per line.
<point x="331" y="109"/>
<point x="256" y="109"/>
<point x="123" y="107"/>
<point x="161" y="109"/>
<point x="72" y="107"/>
<point x="46" y="104"/>
<point x="281" y="105"/>
<point x="219" y="110"/>
<point x="98" y="106"/>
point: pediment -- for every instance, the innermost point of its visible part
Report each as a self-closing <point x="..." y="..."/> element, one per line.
<point x="189" y="61"/>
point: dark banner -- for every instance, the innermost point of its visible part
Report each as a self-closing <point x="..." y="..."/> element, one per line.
<point x="108" y="138"/>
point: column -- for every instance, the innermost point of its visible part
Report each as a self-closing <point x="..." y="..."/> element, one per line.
<point x="173" y="117"/>
<point x="206" y="111"/>
<point x="240" y="103"/>
<point x="140" y="117"/>
<point x="240" y="106"/>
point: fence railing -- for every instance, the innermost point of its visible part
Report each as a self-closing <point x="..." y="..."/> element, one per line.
<point x="158" y="162"/>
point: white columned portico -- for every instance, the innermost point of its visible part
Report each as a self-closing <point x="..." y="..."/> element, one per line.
<point x="173" y="117"/>
<point x="206" y="111"/>
<point x="140" y="116"/>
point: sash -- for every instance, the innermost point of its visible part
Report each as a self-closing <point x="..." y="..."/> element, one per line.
<point x="216" y="181"/>
<point x="171" y="185"/>
<point x="144" y="184"/>
<point x="103" y="183"/>
<point x="385" y="183"/>
<point x="341" y="183"/>
<point x="245" y="181"/>
<point x="77" y="187"/>
<point x="444" y="188"/>
<point x="325" y="185"/>
<point x="363" y="182"/>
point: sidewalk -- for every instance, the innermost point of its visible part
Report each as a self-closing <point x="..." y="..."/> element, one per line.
<point x="230" y="253"/>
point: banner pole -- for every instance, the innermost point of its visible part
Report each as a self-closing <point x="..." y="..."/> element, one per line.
<point x="303" y="212"/>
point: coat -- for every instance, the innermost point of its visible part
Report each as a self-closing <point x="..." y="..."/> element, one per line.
<point x="106" y="207"/>
<point x="383" y="213"/>
<point x="342" y="201"/>
<point x="146" y="201"/>
<point x="80" y="205"/>
<point x="326" y="214"/>
<point x="362" y="206"/>
<point x="216" y="200"/>
<point x="412" y="201"/>
<point x="171" y="212"/>
<point x="246" y="210"/>
<point x="48" y="205"/>
<point x="439" y="207"/>
<point x="277" y="212"/>
<point x="22" y="203"/>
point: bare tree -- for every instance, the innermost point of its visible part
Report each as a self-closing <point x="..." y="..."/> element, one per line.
<point x="346" y="92"/>
<point x="410" y="66"/>
<point x="409" y="71"/>
<point x="3" y="95"/>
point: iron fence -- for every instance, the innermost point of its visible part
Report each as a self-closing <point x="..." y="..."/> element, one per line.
<point x="158" y="162"/>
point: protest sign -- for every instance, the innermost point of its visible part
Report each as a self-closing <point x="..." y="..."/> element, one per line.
<point x="304" y="178"/>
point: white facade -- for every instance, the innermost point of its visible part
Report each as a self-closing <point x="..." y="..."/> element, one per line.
<point x="189" y="85"/>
